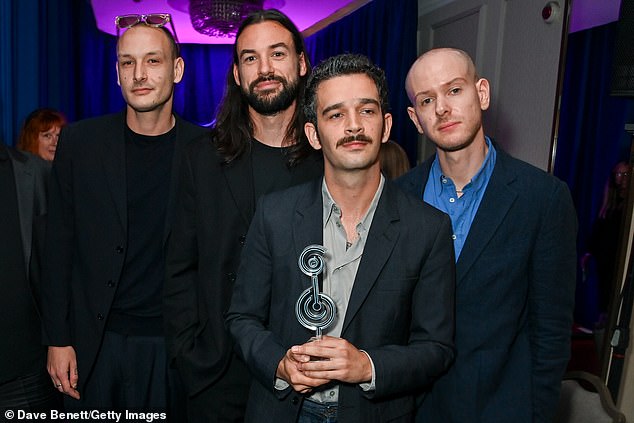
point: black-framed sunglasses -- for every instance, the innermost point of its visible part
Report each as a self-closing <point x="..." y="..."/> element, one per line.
<point x="155" y="20"/>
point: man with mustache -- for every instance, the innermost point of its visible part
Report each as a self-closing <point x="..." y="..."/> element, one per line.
<point x="112" y="197"/>
<point x="388" y="270"/>
<point x="514" y="229"/>
<point x="256" y="147"/>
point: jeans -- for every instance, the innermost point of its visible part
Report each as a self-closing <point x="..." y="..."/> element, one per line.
<point x="314" y="412"/>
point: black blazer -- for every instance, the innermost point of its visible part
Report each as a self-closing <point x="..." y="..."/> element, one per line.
<point x="87" y="231"/>
<point x="215" y="207"/>
<point x="515" y="283"/>
<point x="400" y="309"/>
<point x="31" y="178"/>
<point x="30" y="174"/>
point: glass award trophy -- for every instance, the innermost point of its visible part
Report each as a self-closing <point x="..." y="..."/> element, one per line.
<point x="314" y="310"/>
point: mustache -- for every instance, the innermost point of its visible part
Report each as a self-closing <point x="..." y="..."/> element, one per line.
<point x="267" y="79"/>
<point x="354" y="138"/>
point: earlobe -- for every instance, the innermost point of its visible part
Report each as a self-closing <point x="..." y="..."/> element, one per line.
<point x="179" y="69"/>
<point x="483" y="93"/>
<point x="387" y="127"/>
<point x="236" y="74"/>
<point x="311" y="134"/>
<point x="116" y="67"/>
<point x="302" y="65"/>
<point x="412" y="116"/>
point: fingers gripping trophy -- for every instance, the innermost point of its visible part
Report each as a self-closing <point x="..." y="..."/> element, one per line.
<point x="314" y="310"/>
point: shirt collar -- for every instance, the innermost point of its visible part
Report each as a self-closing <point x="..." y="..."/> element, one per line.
<point x="330" y="207"/>
<point x="479" y="179"/>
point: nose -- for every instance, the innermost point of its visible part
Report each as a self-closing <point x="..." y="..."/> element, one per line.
<point x="441" y="106"/>
<point x="353" y="126"/>
<point x="264" y="67"/>
<point x="139" y="72"/>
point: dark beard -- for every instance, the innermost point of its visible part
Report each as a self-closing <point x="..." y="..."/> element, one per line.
<point x="271" y="105"/>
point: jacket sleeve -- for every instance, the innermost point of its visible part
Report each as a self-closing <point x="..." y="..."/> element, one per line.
<point x="248" y="314"/>
<point x="552" y="282"/>
<point x="430" y="350"/>
<point x="198" y="345"/>
<point x="58" y="250"/>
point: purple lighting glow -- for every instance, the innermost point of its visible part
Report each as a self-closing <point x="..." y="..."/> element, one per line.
<point x="304" y="14"/>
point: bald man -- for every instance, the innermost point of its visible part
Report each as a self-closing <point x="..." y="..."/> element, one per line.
<point x="111" y="201"/>
<point x="514" y="230"/>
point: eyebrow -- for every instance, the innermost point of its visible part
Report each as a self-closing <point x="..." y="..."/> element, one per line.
<point x="446" y="84"/>
<point x="271" y="47"/>
<point x="361" y="101"/>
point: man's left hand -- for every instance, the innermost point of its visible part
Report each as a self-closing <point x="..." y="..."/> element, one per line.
<point x="340" y="360"/>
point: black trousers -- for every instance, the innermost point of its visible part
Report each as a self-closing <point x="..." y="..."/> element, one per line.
<point x="226" y="400"/>
<point x="32" y="393"/>
<point x="130" y="373"/>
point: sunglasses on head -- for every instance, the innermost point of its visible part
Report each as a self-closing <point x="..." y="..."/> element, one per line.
<point x="155" y="20"/>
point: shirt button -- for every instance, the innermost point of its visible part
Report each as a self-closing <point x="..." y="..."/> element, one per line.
<point x="99" y="316"/>
<point x="119" y="249"/>
<point x="453" y="237"/>
<point x="294" y="401"/>
<point x="444" y="181"/>
<point x="452" y="200"/>
<point x="332" y="393"/>
<point x="242" y="239"/>
<point x="110" y="283"/>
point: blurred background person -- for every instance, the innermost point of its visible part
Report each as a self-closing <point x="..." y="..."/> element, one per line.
<point x="393" y="159"/>
<point x="604" y="240"/>
<point x="24" y="381"/>
<point x="40" y="133"/>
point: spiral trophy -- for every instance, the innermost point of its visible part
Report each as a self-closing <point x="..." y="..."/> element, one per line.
<point x="314" y="310"/>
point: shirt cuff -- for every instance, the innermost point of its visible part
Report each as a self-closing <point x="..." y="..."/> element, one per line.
<point x="281" y="384"/>
<point x="372" y="385"/>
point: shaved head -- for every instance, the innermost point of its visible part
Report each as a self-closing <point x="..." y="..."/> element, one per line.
<point x="460" y="54"/>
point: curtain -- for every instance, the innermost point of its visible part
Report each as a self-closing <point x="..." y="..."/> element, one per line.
<point x="591" y="138"/>
<point x="387" y="34"/>
<point x="53" y="55"/>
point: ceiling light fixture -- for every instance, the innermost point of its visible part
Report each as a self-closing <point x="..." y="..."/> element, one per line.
<point x="221" y="18"/>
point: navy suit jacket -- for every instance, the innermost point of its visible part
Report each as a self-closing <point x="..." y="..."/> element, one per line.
<point x="515" y="282"/>
<point x="87" y="231"/>
<point x="215" y="207"/>
<point x="400" y="310"/>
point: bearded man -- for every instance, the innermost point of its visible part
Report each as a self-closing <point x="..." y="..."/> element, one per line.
<point x="256" y="147"/>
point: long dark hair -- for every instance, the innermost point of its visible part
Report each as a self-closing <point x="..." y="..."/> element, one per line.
<point x="234" y="130"/>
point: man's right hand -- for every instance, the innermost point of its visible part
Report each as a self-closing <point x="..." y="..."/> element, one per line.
<point x="62" y="367"/>
<point x="287" y="369"/>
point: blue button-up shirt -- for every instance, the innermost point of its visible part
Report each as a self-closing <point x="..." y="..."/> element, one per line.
<point x="440" y="192"/>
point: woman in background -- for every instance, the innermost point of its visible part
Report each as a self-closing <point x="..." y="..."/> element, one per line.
<point x="394" y="161"/>
<point x="40" y="133"/>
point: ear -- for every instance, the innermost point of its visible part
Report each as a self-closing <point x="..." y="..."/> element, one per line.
<point x="116" y="66"/>
<point x="414" y="118"/>
<point x="179" y="69"/>
<point x="311" y="133"/>
<point x="387" y="127"/>
<point x="302" y="65"/>
<point x="236" y="74"/>
<point x="484" y="94"/>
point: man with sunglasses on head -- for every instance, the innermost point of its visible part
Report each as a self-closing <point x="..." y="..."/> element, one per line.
<point x="112" y="196"/>
<point x="256" y="147"/>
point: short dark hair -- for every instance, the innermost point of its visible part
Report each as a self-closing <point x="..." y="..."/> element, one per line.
<point x="174" y="47"/>
<point x="343" y="64"/>
<point x="233" y="130"/>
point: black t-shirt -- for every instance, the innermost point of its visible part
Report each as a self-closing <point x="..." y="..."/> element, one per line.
<point x="270" y="172"/>
<point x="137" y="307"/>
